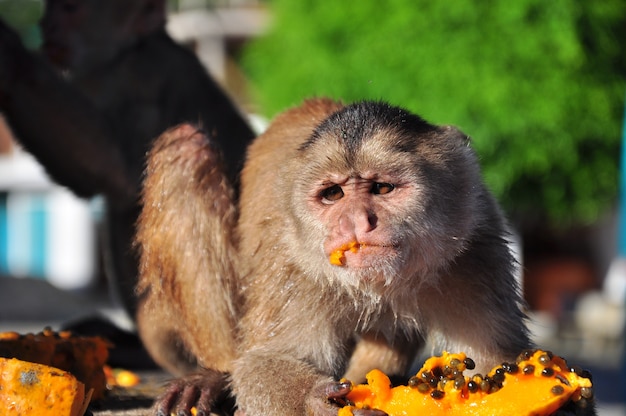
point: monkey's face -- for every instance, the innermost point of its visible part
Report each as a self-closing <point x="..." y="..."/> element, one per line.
<point x="361" y="210"/>
<point x="352" y="205"/>
<point x="391" y="201"/>
<point x="79" y="35"/>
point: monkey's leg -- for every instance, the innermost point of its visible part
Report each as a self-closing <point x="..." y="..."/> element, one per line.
<point x="187" y="282"/>
<point x="373" y="351"/>
<point x="163" y="340"/>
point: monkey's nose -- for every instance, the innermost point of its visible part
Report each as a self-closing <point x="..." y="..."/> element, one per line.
<point x="357" y="221"/>
<point x="364" y="219"/>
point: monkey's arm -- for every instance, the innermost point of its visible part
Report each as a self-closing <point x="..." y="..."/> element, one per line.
<point x="187" y="286"/>
<point x="59" y="125"/>
<point x="293" y="348"/>
<point x="266" y="382"/>
<point x="269" y="379"/>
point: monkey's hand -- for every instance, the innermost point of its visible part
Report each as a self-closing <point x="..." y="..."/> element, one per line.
<point x="206" y="391"/>
<point x="336" y="393"/>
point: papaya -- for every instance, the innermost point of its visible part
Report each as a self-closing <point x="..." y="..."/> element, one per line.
<point x="120" y="377"/>
<point x="84" y="357"/>
<point x="337" y="257"/>
<point x="35" y="389"/>
<point x="537" y="383"/>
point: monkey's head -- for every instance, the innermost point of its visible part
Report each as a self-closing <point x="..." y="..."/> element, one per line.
<point x="396" y="195"/>
<point x="80" y="35"/>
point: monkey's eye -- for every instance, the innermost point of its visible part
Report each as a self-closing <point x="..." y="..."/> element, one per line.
<point x="382" y="188"/>
<point x="332" y="193"/>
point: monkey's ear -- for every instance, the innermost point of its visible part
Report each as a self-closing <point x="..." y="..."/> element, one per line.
<point x="456" y="134"/>
<point x="150" y="17"/>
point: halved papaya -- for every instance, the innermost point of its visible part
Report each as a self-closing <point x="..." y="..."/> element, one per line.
<point x="538" y="383"/>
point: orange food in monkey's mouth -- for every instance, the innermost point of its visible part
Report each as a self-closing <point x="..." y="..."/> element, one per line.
<point x="338" y="256"/>
<point x="537" y="384"/>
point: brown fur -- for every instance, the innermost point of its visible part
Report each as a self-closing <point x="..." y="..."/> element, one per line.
<point x="187" y="273"/>
<point x="439" y="267"/>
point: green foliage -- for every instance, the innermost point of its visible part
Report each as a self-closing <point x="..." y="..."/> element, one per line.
<point x="538" y="85"/>
<point x="23" y="16"/>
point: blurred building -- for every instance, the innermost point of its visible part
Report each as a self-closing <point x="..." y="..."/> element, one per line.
<point x="217" y="31"/>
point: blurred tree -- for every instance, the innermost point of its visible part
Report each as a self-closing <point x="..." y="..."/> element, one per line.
<point x="538" y="85"/>
<point x="23" y="15"/>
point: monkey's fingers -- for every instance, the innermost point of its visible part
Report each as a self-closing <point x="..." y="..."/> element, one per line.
<point x="200" y="391"/>
<point x="179" y="399"/>
<point x="336" y="392"/>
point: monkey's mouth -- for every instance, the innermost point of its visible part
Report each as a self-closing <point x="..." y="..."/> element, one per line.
<point x="355" y="254"/>
<point x="338" y="256"/>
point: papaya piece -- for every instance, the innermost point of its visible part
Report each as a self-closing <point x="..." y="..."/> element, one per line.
<point x="84" y="357"/>
<point x="338" y="256"/>
<point x="537" y="384"/>
<point x="120" y="377"/>
<point x="35" y="389"/>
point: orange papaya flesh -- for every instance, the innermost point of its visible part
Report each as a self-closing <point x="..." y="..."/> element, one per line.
<point x="538" y="383"/>
<point x="120" y="377"/>
<point x="84" y="357"/>
<point x="35" y="389"/>
<point x="338" y="256"/>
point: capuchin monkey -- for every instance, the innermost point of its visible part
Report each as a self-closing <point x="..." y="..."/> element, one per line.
<point x="361" y="232"/>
